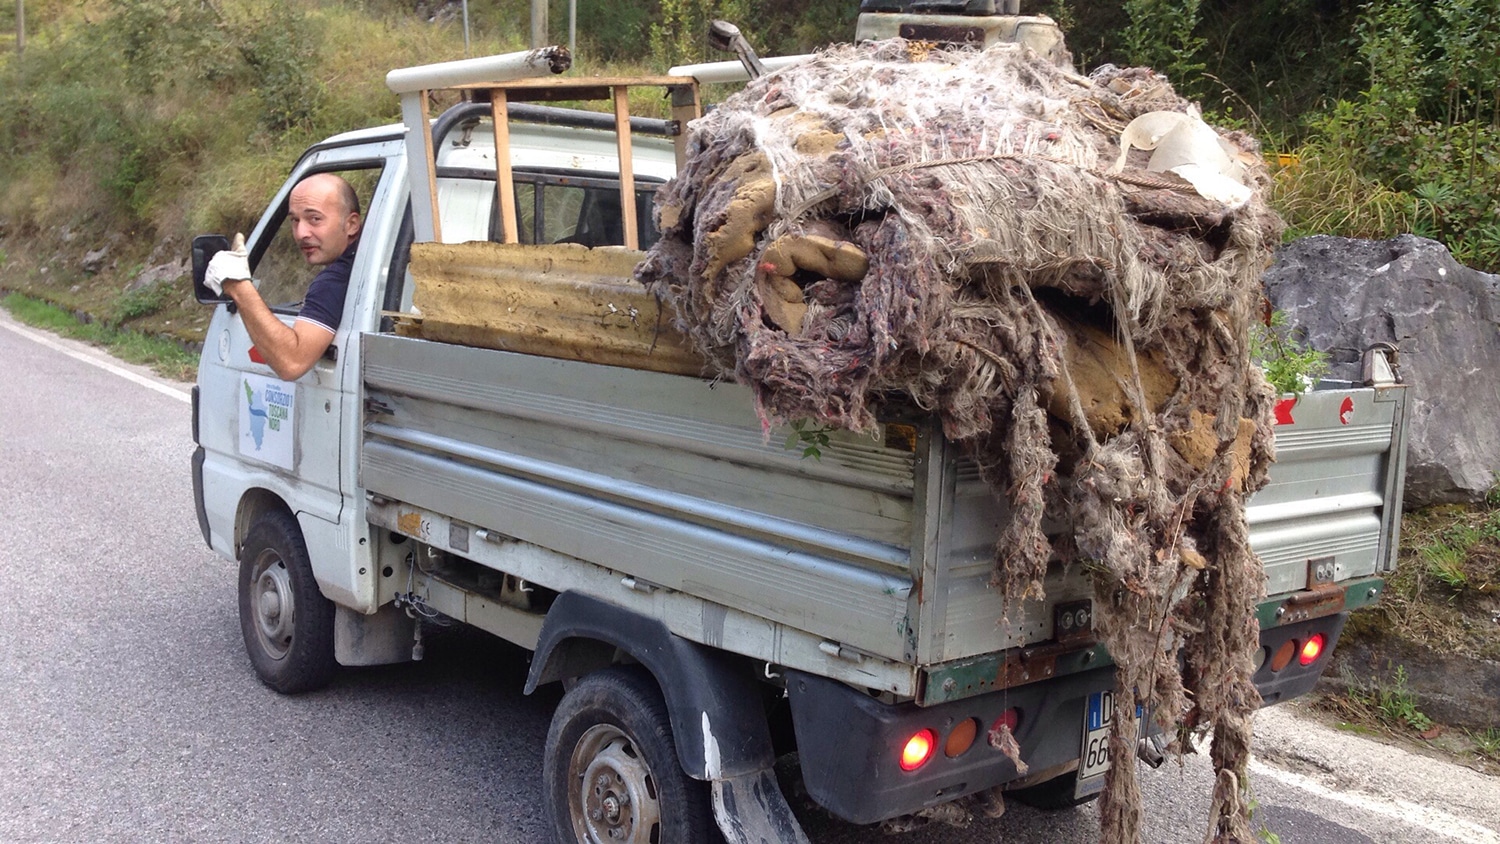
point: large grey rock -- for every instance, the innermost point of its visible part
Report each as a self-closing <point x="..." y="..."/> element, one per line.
<point x="93" y="261"/>
<point x="170" y="271"/>
<point x="1346" y="294"/>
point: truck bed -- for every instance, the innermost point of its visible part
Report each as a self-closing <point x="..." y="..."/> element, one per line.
<point x="881" y="549"/>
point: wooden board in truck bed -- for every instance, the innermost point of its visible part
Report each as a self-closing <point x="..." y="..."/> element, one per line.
<point x="562" y="301"/>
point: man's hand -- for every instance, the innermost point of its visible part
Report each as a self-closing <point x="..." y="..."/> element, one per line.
<point x="232" y="264"/>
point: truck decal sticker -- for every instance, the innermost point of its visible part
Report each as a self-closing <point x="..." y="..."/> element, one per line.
<point x="1284" y="411"/>
<point x="267" y="420"/>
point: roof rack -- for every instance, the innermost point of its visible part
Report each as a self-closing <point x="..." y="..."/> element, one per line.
<point x="525" y="77"/>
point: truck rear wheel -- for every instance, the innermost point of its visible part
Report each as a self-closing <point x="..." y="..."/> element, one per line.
<point x="611" y="774"/>
<point x="286" y="621"/>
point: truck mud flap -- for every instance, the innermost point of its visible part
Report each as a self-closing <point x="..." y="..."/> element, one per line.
<point x="199" y="456"/>
<point x="751" y="809"/>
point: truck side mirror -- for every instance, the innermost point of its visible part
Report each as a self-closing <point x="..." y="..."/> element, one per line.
<point x="205" y="247"/>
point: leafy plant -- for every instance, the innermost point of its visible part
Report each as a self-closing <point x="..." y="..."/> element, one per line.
<point x="142" y="301"/>
<point x="811" y="438"/>
<point x="1398" y="704"/>
<point x="1487" y="743"/>
<point x="1161" y="36"/>
<point x="1290" y="365"/>
<point x="681" y="31"/>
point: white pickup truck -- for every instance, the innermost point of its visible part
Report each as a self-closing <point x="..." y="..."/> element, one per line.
<point x="712" y="601"/>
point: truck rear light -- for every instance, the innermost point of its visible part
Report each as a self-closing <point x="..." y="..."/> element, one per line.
<point x="1283" y="656"/>
<point x="1311" y="650"/>
<point x="962" y="738"/>
<point x="1009" y="719"/>
<point x="918" y="750"/>
<point x="1260" y="658"/>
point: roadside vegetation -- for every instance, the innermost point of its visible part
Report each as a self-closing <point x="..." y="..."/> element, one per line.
<point x="1445" y="597"/>
<point x="1446" y="591"/>
<point x="169" y="359"/>
<point x="130" y="125"/>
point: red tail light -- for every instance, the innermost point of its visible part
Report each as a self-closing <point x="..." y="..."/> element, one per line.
<point x="918" y="750"/>
<point x="1010" y="719"/>
<point x="1311" y="650"/>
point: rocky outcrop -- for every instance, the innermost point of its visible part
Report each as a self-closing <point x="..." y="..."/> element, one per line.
<point x="1451" y="688"/>
<point x="1344" y="295"/>
<point x="170" y="271"/>
<point x="93" y="261"/>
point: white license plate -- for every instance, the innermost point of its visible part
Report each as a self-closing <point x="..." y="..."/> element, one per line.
<point x="1094" y="761"/>
<point x="1098" y="715"/>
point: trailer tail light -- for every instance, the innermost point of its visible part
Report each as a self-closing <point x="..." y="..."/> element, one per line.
<point x="1311" y="650"/>
<point x="918" y="750"/>
<point x="1283" y="656"/>
<point x="1009" y="719"/>
<point x="962" y="738"/>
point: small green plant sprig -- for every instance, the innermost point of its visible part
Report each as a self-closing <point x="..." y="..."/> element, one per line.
<point x="1290" y="365"/>
<point x="1395" y="704"/>
<point x="809" y="437"/>
<point x="1487" y="743"/>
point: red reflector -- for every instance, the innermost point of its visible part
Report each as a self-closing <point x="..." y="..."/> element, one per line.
<point x="255" y="355"/>
<point x="1284" y="411"/>
<point x="1010" y="719"/>
<point x="918" y="750"/>
<point x="1312" y="650"/>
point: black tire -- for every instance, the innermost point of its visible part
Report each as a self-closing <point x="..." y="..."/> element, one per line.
<point x="286" y="621"/>
<point x="611" y="765"/>
<point x="1054" y="795"/>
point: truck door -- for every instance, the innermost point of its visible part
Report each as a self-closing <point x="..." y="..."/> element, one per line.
<point x="296" y="427"/>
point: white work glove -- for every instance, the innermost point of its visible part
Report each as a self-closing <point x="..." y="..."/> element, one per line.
<point x="232" y="264"/>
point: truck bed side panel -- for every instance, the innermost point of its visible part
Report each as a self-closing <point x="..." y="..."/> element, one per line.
<point x="664" y="478"/>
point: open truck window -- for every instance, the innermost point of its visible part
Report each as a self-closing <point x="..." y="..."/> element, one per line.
<point x="282" y="274"/>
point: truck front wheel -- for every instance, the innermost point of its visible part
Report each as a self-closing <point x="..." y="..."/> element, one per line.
<point x="611" y="772"/>
<point x="286" y="621"/>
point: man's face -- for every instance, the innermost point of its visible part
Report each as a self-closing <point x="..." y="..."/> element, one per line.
<point x="321" y="224"/>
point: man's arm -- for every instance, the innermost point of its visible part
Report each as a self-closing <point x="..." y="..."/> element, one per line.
<point x="291" y="352"/>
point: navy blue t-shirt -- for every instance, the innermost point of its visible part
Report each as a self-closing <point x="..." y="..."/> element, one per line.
<point x="324" y="303"/>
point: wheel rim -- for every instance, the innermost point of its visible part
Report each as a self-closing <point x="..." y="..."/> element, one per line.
<point x="612" y="796"/>
<point x="272" y="604"/>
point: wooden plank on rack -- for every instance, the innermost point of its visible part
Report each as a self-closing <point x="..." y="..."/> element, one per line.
<point x="505" y="187"/>
<point x="627" y="167"/>
<point x="561" y="300"/>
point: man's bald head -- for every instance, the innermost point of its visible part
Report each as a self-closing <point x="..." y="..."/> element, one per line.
<point x="324" y="212"/>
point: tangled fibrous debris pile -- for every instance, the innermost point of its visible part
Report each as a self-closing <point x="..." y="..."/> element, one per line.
<point x="977" y="234"/>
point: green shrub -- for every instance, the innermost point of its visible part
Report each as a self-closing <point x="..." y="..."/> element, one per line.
<point x="1290" y="365"/>
<point x="142" y="301"/>
<point x="1161" y="36"/>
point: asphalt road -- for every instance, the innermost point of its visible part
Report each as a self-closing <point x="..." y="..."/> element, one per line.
<point x="128" y="711"/>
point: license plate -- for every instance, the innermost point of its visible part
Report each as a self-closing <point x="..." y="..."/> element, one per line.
<point x="1093" y="759"/>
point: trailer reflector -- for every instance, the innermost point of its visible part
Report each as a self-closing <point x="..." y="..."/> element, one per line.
<point x="962" y="738"/>
<point x="1283" y="656"/>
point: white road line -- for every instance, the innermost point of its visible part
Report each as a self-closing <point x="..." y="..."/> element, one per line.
<point x="105" y="365"/>
<point x="1433" y="820"/>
